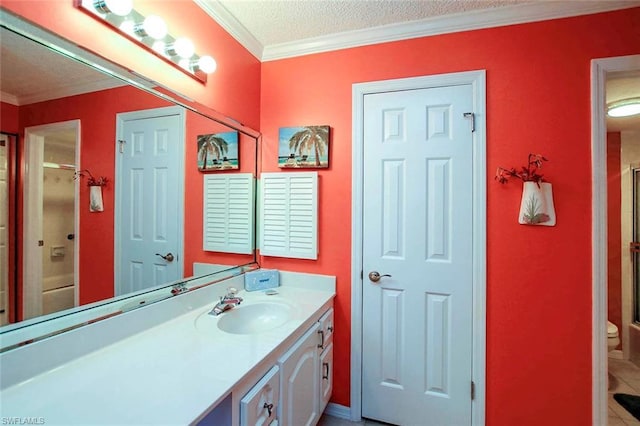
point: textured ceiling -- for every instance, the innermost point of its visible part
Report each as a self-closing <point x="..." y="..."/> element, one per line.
<point x="30" y="72"/>
<point x="280" y="21"/>
<point x="273" y="22"/>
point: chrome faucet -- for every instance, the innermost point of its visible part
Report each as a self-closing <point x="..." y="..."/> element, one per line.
<point x="228" y="301"/>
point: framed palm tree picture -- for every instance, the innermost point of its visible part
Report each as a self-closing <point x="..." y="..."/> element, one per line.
<point x="218" y="151"/>
<point x="304" y="147"/>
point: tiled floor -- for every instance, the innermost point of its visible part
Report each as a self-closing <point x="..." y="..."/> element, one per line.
<point x="624" y="377"/>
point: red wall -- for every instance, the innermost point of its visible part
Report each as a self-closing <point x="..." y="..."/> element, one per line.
<point x="8" y="118"/>
<point x="539" y="307"/>
<point x="614" y="268"/>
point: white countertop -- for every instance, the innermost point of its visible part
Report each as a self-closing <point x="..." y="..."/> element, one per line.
<point x="169" y="374"/>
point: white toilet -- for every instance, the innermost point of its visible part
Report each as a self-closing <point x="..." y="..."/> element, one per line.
<point x="613" y="340"/>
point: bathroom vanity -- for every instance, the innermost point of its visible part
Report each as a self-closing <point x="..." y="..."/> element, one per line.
<point x="172" y="363"/>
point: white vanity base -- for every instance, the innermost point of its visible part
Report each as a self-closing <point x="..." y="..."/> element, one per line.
<point x="166" y="373"/>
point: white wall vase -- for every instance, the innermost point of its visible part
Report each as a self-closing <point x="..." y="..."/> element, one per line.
<point x="95" y="199"/>
<point x="536" y="207"/>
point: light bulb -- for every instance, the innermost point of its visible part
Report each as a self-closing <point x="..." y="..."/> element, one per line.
<point x="117" y="7"/>
<point x="207" y="64"/>
<point x="185" y="63"/>
<point x="155" y="27"/>
<point x="128" y="27"/>
<point x="184" y="47"/>
<point x="159" y="47"/>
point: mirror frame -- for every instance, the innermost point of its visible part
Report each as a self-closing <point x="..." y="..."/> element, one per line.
<point x="17" y="334"/>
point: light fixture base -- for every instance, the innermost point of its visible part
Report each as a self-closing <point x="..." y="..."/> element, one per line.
<point x="102" y="11"/>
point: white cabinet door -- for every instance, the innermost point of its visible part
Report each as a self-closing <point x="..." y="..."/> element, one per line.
<point x="259" y="406"/>
<point x="326" y="376"/>
<point x="300" y="388"/>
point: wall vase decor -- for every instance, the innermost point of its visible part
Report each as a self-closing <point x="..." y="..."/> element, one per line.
<point x="95" y="189"/>
<point x="95" y="199"/>
<point x="536" y="207"/>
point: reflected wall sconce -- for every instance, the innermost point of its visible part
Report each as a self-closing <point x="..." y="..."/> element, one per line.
<point x="150" y="32"/>
<point x="624" y="107"/>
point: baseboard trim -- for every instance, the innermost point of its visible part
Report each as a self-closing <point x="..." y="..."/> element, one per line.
<point x="616" y="354"/>
<point x="337" y="410"/>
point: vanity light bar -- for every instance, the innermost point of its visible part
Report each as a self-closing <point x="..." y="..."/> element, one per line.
<point x="150" y="32"/>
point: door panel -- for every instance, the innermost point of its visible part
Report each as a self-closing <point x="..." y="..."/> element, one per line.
<point x="417" y="227"/>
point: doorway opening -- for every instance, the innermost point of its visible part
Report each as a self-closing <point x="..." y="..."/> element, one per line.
<point x="601" y="69"/>
<point x="50" y="217"/>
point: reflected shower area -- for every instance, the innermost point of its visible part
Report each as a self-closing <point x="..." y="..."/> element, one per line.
<point x="58" y="221"/>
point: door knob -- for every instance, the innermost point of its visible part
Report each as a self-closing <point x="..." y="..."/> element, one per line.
<point x="375" y="276"/>
<point x="168" y="257"/>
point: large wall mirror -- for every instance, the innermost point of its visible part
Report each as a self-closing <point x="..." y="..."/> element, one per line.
<point x="70" y="119"/>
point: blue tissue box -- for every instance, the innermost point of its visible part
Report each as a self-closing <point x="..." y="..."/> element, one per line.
<point x="261" y="279"/>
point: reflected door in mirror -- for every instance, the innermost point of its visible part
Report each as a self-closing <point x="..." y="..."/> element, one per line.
<point x="149" y="199"/>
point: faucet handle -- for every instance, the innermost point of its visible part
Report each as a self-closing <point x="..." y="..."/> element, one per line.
<point x="231" y="291"/>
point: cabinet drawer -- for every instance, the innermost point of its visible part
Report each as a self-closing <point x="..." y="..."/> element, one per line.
<point x="260" y="405"/>
<point x="325" y="333"/>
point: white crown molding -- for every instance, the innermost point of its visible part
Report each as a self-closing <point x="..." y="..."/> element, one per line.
<point x="67" y="90"/>
<point x="8" y="98"/>
<point x="229" y="22"/>
<point x="486" y="18"/>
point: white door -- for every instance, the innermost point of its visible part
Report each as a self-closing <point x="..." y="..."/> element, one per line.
<point x="417" y="228"/>
<point x="149" y="199"/>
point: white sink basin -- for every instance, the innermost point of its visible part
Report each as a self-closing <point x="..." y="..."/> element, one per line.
<point x="255" y="318"/>
<point x="248" y="319"/>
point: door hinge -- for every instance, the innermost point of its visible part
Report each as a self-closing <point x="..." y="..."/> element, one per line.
<point x="473" y="120"/>
<point x="473" y="391"/>
<point x="121" y="145"/>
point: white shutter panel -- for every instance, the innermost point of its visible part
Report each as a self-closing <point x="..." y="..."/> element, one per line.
<point x="289" y="215"/>
<point x="228" y="213"/>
